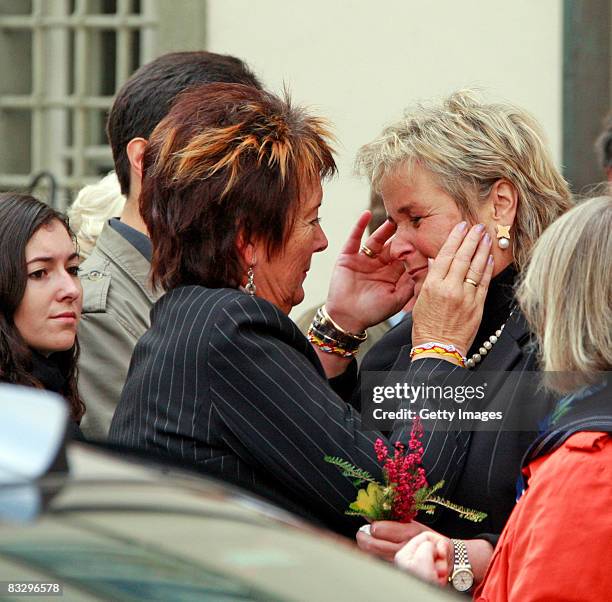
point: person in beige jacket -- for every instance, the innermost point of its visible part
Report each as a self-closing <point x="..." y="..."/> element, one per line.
<point x="117" y="297"/>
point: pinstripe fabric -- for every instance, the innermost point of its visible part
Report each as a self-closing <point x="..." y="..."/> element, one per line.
<point x="479" y="468"/>
<point x="228" y="382"/>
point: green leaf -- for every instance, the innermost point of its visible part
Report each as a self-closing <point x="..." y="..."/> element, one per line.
<point x="468" y="513"/>
<point x="350" y="471"/>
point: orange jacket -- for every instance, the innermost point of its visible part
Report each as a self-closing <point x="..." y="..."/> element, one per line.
<point x="557" y="544"/>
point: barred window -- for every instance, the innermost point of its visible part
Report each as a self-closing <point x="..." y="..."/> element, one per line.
<point x="61" y="62"/>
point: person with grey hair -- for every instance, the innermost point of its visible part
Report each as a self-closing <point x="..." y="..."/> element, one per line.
<point x="468" y="188"/>
<point x="603" y="147"/>
<point x="566" y="295"/>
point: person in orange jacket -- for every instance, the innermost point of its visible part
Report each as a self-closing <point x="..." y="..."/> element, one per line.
<point x="556" y="544"/>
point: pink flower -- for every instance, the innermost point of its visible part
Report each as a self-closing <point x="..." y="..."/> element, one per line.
<point x="381" y="450"/>
<point x="403" y="472"/>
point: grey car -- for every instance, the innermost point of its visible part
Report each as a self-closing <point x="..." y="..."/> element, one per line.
<point x="99" y="525"/>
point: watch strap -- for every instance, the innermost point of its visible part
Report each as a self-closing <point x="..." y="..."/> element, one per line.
<point x="460" y="555"/>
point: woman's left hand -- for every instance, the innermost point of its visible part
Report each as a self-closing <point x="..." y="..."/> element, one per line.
<point x="451" y="301"/>
<point x="428" y="556"/>
<point x="367" y="289"/>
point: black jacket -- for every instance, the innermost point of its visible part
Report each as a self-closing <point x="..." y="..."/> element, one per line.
<point x="228" y="382"/>
<point x="480" y="468"/>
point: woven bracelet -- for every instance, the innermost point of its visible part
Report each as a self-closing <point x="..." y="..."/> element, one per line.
<point x="439" y="349"/>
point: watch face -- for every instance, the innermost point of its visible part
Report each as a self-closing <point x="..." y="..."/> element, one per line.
<point x="462" y="580"/>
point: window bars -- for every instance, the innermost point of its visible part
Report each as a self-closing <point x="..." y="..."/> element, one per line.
<point x="61" y="63"/>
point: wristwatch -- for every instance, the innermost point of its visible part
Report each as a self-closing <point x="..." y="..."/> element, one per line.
<point x="462" y="576"/>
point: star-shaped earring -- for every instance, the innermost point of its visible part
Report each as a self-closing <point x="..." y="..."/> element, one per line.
<point x="503" y="231"/>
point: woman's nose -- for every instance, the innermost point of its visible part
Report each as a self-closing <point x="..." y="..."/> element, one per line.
<point x="321" y="241"/>
<point x="400" y="247"/>
<point x="70" y="287"/>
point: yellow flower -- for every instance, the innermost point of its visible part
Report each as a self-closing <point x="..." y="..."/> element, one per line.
<point x="368" y="501"/>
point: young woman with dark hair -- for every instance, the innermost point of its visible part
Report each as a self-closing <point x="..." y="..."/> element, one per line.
<point x="40" y="299"/>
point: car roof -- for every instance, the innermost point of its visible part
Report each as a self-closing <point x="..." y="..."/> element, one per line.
<point x="117" y="528"/>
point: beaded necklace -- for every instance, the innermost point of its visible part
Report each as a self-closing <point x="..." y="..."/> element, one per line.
<point x="485" y="347"/>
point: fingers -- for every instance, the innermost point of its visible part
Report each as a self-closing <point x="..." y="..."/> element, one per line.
<point x="404" y="287"/>
<point x="386" y="538"/>
<point x="466" y="253"/>
<point x="428" y="556"/>
<point x="378" y="547"/>
<point x="440" y="266"/>
<point x="442" y="560"/>
<point x="351" y="246"/>
<point x="419" y="562"/>
<point x="479" y="262"/>
<point x="483" y="287"/>
<point x="396" y="532"/>
<point x="377" y="241"/>
<point x="420" y="557"/>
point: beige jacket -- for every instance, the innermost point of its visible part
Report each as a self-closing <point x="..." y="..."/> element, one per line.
<point x="117" y="300"/>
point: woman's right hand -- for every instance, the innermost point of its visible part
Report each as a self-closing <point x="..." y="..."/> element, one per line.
<point x="428" y="556"/>
<point x="366" y="290"/>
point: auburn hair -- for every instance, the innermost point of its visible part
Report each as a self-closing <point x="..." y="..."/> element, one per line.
<point x="228" y="161"/>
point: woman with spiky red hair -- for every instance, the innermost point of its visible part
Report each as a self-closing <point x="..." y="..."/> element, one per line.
<point x="224" y="379"/>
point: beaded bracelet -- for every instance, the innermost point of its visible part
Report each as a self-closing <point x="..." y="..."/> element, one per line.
<point x="439" y="349"/>
<point x="329" y="346"/>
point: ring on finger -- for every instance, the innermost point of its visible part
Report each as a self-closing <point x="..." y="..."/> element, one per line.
<point x="367" y="251"/>
<point x="472" y="282"/>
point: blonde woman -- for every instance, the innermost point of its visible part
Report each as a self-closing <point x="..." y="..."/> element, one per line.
<point x="566" y="296"/>
<point x="468" y="187"/>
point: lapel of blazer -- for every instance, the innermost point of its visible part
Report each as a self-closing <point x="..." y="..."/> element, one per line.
<point x="509" y="350"/>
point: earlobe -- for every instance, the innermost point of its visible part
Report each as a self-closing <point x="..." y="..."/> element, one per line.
<point x="135" y="152"/>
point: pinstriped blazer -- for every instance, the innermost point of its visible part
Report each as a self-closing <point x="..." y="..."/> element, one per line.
<point x="228" y="382"/>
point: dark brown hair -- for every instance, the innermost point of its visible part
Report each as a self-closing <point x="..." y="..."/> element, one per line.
<point x="21" y="216"/>
<point x="145" y="98"/>
<point x="227" y="160"/>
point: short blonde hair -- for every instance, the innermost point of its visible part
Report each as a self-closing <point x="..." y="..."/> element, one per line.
<point x="566" y="295"/>
<point x="468" y="146"/>
<point x="94" y="206"/>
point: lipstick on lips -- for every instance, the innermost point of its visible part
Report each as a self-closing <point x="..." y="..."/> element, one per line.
<point x="66" y="316"/>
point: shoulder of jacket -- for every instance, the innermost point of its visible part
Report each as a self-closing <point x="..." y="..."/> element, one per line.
<point x="96" y="275"/>
<point x="254" y="309"/>
<point x="589" y="441"/>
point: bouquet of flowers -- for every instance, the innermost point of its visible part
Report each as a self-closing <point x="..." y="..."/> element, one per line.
<point x="405" y="490"/>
